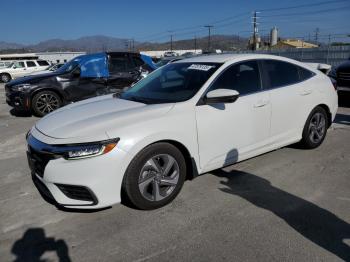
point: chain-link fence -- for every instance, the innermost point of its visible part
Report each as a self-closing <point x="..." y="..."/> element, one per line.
<point x="333" y="55"/>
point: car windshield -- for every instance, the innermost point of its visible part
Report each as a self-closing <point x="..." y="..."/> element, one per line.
<point x="162" y="62"/>
<point x="69" y="66"/>
<point x="172" y="83"/>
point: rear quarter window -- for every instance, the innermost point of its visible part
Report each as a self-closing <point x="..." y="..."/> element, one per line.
<point x="305" y="74"/>
<point x="280" y="73"/>
<point x="42" y="63"/>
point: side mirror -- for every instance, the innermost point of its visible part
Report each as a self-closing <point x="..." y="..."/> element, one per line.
<point x="14" y="67"/>
<point x="221" y="96"/>
<point x="76" y="72"/>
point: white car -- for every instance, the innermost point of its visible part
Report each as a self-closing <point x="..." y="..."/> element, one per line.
<point x="188" y="117"/>
<point x="49" y="69"/>
<point x="22" y="68"/>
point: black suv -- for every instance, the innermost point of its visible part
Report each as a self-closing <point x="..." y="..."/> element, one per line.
<point x="83" y="77"/>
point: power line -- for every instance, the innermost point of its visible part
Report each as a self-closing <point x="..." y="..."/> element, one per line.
<point x="304" y="5"/>
<point x="311" y="12"/>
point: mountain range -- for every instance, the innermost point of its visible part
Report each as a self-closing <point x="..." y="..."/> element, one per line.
<point x="106" y="43"/>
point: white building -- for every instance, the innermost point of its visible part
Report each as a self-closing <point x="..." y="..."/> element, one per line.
<point x="52" y="57"/>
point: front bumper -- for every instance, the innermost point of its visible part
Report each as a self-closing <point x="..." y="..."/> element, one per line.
<point x="17" y="100"/>
<point x="88" y="183"/>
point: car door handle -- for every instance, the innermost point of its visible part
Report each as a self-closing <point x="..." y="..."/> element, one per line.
<point x="261" y="103"/>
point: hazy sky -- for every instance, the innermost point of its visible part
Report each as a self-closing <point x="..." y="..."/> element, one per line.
<point x="31" y="21"/>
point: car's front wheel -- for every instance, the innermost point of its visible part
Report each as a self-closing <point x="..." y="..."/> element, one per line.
<point x="315" y="128"/>
<point x="45" y="102"/>
<point x="155" y="176"/>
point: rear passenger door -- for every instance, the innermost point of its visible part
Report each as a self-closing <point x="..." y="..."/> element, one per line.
<point x="283" y="81"/>
<point x="31" y="67"/>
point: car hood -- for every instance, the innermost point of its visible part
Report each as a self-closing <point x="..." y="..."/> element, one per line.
<point x="91" y="119"/>
<point x="31" y="79"/>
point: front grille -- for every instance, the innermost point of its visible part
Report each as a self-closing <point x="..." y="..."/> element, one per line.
<point x="38" y="160"/>
<point x="77" y="192"/>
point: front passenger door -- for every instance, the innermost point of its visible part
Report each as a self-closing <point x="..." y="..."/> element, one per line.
<point x="234" y="131"/>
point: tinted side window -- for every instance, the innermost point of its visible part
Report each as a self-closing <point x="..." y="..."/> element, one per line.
<point x="19" y="64"/>
<point x="305" y="74"/>
<point x="30" y="64"/>
<point x="42" y="63"/>
<point x="118" y="64"/>
<point x="243" y="77"/>
<point x="280" y="73"/>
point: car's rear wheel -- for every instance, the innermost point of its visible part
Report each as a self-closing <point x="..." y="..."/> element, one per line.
<point x="155" y="176"/>
<point x="45" y="102"/>
<point x="5" y="78"/>
<point x="315" y="128"/>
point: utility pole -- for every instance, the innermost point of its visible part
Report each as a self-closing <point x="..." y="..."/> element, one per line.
<point x="171" y="40"/>
<point x="195" y="44"/>
<point x="329" y="44"/>
<point x="133" y="44"/>
<point x="255" y="45"/>
<point x="209" y="31"/>
<point x="317" y="32"/>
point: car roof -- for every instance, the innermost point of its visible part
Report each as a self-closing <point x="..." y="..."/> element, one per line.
<point x="223" y="58"/>
<point x="122" y="53"/>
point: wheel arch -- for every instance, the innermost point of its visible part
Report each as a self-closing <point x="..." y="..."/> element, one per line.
<point x="191" y="165"/>
<point x="190" y="160"/>
<point x="328" y="111"/>
<point x="36" y="91"/>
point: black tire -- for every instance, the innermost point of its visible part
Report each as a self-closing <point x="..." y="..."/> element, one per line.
<point x="131" y="181"/>
<point x="5" y="77"/>
<point x="308" y="140"/>
<point x="39" y="99"/>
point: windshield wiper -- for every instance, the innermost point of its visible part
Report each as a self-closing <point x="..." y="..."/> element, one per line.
<point x="138" y="99"/>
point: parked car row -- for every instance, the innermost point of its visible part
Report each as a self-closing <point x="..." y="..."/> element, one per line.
<point x="83" y="77"/>
<point x="188" y="117"/>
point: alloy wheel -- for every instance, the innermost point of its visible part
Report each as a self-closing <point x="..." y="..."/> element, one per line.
<point x="317" y="127"/>
<point x="47" y="103"/>
<point x="158" y="177"/>
<point x="5" y="78"/>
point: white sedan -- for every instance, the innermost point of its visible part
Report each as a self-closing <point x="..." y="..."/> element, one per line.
<point x="186" y="118"/>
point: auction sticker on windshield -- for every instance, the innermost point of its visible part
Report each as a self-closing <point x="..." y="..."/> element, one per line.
<point x="201" y="67"/>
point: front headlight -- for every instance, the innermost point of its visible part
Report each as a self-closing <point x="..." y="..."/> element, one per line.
<point x="21" y="87"/>
<point x="89" y="150"/>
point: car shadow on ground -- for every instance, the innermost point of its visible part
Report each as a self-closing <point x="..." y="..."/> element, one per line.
<point x="18" y="113"/>
<point x="342" y="119"/>
<point x="311" y="221"/>
<point x="34" y="244"/>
